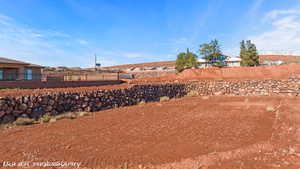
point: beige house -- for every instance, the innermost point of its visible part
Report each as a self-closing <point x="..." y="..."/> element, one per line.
<point x="11" y="70"/>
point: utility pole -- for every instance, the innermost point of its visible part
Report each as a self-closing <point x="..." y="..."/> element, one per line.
<point x="95" y="62"/>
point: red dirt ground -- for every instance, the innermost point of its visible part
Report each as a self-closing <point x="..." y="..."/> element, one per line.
<point x="215" y="133"/>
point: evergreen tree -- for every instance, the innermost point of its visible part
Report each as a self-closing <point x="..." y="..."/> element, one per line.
<point x="243" y="53"/>
<point x="249" y="54"/>
<point x="186" y="60"/>
<point x="211" y="51"/>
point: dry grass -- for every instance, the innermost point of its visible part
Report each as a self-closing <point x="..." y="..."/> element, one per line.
<point x="70" y="115"/>
<point x="142" y="102"/>
<point x="270" y="109"/>
<point x="192" y="93"/>
<point x="83" y="113"/>
<point x="24" y="121"/>
<point x="164" y="99"/>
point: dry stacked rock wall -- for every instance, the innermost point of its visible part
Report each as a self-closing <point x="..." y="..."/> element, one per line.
<point x="36" y="106"/>
<point x="57" y="103"/>
<point x="290" y="87"/>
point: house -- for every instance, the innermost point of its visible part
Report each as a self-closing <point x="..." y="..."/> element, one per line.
<point x="11" y="70"/>
<point x="227" y="61"/>
<point x="233" y="61"/>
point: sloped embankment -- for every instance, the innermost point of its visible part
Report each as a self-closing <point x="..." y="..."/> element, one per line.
<point x="242" y="73"/>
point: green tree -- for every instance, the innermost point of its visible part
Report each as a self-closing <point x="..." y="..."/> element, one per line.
<point x="211" y="52"/>
<point x="249" y="54"/>
<point x="186" y="60"/>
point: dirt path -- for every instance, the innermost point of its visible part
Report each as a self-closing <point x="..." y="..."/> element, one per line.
<point x="184" y="133"/>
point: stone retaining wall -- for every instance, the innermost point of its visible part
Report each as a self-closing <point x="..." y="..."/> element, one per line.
<point x="57" y="103"/>
<point x="36" y="106"/>
<point x="290" y="87"/>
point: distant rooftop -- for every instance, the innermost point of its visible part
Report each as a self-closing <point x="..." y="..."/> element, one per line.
<point x="150" y="64"/>
<point x="12" y="61"/>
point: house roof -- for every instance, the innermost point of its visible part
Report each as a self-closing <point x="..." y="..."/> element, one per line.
<point x="12" y="61"/>
<point x="150" y="64"/>
<point x="201" y="60"/>
<point x="34" y="65"/>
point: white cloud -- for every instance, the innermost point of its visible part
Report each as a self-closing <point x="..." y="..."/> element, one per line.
<point x="275" y="13"/>
<point x="283" y="37"/>
<point x="83" y="42"/>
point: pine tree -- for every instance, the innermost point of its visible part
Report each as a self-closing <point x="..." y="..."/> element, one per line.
<point x="249" y="54"/>
<point x="211" y="51"/>
<point x="243" y="53"/>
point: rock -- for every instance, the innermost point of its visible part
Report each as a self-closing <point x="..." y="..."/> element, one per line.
<point x="49" y="108"/>
<point x="51" y="102"/>
<point x="8" y="118"/>
<point x="23" y="107"/>
<point x="17" y="113"/>
<point x="24" y="115"/>
<point x="2" y="113"/>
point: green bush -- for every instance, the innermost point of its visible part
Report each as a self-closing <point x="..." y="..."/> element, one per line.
<point x="186" y="60"/>
<point x="46" y="118"/>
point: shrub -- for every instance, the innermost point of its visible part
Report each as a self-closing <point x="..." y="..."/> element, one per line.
<point x="24" y="121"/>
<point x="46" y="118"/>
<point x="60" y="117"/>
<point x="80" y="114"/>
<point x="70" y="115"/>
<point x="142" y="102"/>
<point x="164" y="99"/>
<point x="192" y="93"/>
<point x="270" y="109"/>
<point x="186" y="60"/>
<point x="52" y="120"/>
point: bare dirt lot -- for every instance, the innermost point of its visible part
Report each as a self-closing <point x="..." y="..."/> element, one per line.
<point x="187" y="133"/>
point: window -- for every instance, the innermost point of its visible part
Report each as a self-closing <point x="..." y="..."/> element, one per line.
<point x="28" y="74"/>
<point x="1" y="74"/>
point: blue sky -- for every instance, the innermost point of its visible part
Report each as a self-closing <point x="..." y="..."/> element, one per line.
<point x="69" y="32"/>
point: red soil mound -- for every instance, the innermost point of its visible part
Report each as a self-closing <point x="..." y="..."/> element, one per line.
<point x="237" y="73"/>
<point x="244" y="73"/>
